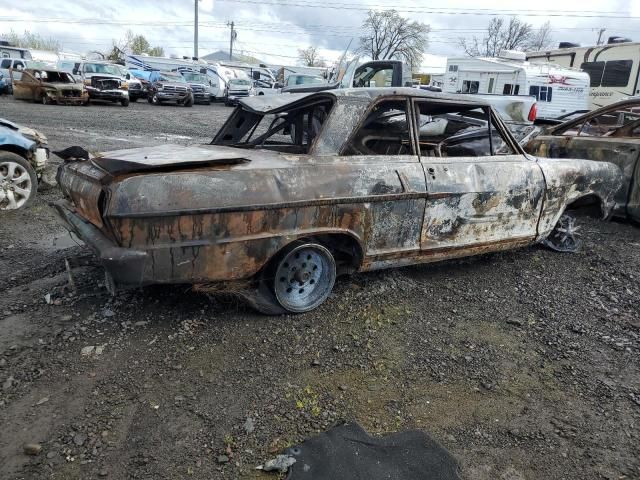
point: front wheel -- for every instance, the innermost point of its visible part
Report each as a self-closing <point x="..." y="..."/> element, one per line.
<point x="124" y="102"/>
<point x="188" y="102"/>
<point x="564" y="236"/>
<point x="18" y="182"/>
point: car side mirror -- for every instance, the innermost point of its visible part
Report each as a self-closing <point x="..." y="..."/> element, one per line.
<point x="128" y="76"/>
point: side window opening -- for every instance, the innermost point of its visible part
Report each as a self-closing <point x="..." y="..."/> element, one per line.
<point x="458" y="131"/>
<point x="617" y="123"/>
<point x="292" y="131"/>
<point x="384" y="132"/>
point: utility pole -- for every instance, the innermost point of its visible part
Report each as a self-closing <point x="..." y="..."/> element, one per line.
<point x="600" y="32"/>
<point x="231" y="39"/>
<point x="195" y="29"/>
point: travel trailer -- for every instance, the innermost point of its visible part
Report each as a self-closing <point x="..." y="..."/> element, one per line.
<point x="614" y="68"/>
<point x="558" y="90"/>
<point x="7" y="51"/>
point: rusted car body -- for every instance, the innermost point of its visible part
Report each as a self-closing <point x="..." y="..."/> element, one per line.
<point x="49" y="86"/>
<point x="609" y="134"/>
<point x="363" y="179"/>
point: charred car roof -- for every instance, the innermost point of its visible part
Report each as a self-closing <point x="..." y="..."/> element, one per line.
<point x="267" y="104"/>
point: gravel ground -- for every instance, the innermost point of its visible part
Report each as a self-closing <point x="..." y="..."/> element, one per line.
<point x="524" y="364"/>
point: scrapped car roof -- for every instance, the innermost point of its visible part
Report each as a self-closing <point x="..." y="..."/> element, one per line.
<point x="273" y="103"/>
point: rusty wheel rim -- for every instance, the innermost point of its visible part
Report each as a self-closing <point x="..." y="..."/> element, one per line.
<point x="304" y="278"/>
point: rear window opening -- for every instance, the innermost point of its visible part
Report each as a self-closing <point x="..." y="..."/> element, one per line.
<point x="289" y="131"/>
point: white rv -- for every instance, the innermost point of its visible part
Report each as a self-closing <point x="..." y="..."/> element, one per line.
<point x="614" y="68"/>
<point x="558" y="90"/>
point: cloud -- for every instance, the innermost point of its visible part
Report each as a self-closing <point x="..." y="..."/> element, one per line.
<point x="276" y="32"/>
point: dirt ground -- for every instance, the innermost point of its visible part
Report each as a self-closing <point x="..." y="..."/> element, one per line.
<point x="523" y="364"/>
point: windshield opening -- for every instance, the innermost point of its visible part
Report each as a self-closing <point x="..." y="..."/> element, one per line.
<point x="172" y="77"/>
<point x="194" y="77"/>
<point x="54" y="77"/>
<point x="107" y="68"/>
<point x="239" y="81"/>
<point x="289" y="131"/>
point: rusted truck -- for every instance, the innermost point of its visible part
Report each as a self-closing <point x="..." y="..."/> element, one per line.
<point x="297" y="189"/>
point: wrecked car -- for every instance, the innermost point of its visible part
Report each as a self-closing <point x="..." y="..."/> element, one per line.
<point x="23" y="156"/>
<point x="297" y="189"/>
<point x="609" y="134"/>
<point x="169" y="87"/>
<point x="102" y="80"/>
<point x="50" y="86"/>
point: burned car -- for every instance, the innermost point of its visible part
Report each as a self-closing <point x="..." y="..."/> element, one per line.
<point x="609" y="134"/>
<point x="50" y="86"/>
<point x="23" y="156"/>
<point x="297" y="189"/>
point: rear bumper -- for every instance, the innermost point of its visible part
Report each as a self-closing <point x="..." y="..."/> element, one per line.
<point x="125" y="265"/>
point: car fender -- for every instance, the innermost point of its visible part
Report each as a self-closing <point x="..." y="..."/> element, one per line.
<point x="569" y="180"/>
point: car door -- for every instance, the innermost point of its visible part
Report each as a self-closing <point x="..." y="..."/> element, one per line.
<point x="24" y="89"/>
<point x="388" y="175"/>
<point x="482" y="189"/>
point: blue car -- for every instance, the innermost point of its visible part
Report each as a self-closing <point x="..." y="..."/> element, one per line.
<point x="23" y="157"/>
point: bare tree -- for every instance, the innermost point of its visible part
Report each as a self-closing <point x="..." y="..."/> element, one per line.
<point x="541" y="38"/>
<point x="310" y="57"/>
<point x="33" y="40"/>
<point x="501" y="35"/>
<point x="388" y="35"/>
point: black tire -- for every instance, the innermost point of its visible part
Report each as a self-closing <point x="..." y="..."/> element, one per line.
<point x="133" y="99"/>
<point x="188" y="102"/>
<point x="124" y="102"/>
<point x="45" y="100"/>
<point x="7" y="158"/>
<point x="150" y="98"/>
<point x="87" y="103"/>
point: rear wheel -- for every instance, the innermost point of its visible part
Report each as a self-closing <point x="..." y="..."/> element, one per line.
<point x="18" y="182"/>
<point x="303" y="277"/>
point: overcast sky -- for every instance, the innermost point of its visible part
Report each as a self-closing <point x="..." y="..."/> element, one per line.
<point x="273" y="30"/>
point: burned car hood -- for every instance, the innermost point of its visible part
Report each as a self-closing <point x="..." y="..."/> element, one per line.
<point x="170" y="157"/>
